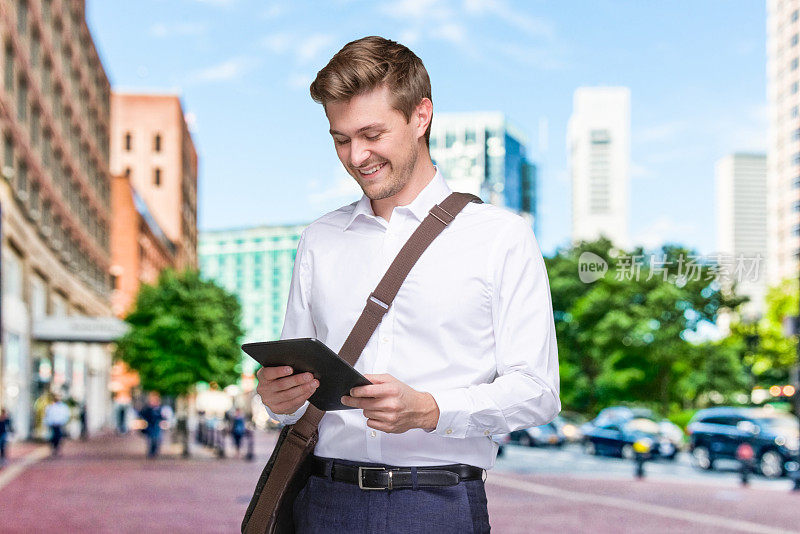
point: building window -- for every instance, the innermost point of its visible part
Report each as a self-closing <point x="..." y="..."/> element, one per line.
<point x="9" y="66"/>
<point x="128" y="141"/>
<point x="22" y="17"/>
<point x="794" y="16"/>
<point x="793" y="64"/>
<point x="796" y="205"/>
<point x="8" y="153"/>
<point x="794" y="40"/>
<point x="157" y="176"/>
<point x="796" y="159"/>
<point x="157" y="143"/>
<point x="797" y="183"/>
<point x="22" y="100"/>
<point x="796" y="230"/>
<point x="794" y="112"/>
<point x="794" y="88"/>
<point x="470" y="137"/>
<point x="127" y="172"/>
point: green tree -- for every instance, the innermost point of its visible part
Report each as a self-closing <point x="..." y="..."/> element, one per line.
<point x="766" y="351"/>
<point x="183" y="330"/>
<point x="627" y="337"/>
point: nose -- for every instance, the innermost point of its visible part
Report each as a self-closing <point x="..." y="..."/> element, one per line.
<point x="359" y="154"/>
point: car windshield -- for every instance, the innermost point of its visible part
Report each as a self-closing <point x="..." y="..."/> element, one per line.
<point x="780" y="424"/>
<point x="642" y="425"/>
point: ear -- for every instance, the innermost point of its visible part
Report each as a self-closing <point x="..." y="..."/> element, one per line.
<point x="423" y="114"/>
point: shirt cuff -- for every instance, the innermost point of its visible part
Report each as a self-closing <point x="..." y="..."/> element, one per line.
<point x="288" y="418"/>
<point x="453" y="412"/>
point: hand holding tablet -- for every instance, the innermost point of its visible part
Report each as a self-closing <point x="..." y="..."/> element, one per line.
<point x="336" y="377"/>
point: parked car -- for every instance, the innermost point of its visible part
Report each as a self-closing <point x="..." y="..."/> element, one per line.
<point x="716" y="433"/>
<point x="502" y="440"/>
<point x="570" y="425"/>
<point x="548" y="434"/>
<point x="668" y="436"/>
<point x="616" y="438"/>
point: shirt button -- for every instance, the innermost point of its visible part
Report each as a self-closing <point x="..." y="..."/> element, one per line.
<point x="372" y="434"/>
<point x="449" y="431"/>
<point x="485" y="432"/>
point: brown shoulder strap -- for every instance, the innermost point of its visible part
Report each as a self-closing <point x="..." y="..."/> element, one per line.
<point x="380" y="300"/>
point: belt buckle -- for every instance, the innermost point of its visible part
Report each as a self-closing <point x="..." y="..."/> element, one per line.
<point x="361" y="470"/>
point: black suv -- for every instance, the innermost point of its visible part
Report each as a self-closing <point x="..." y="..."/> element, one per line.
<point x="716" y="433"/>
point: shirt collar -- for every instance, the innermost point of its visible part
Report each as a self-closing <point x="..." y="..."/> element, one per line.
<point x="433" y="193"/>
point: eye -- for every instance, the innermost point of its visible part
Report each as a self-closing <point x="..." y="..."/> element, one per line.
<point x="341" y="141"/>
<point x="373" y="137"/>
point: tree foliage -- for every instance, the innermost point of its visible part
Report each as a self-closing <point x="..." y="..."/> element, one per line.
<point x="631" y="335"/>
<point x="183" y="330"/>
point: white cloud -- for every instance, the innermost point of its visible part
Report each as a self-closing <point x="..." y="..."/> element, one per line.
<point x="532" y="26"/>
<point x="658" y="133"/>
<point x="277" y="43"/>
<point x="183" y="29"/>
<point x="662" y="230"/>
<point x="272" y="11"/>
<point x="228" y="70"/>
<point x="342" y="188"/>
<point x="310" y="47"/>
<point x="299" y="81"/>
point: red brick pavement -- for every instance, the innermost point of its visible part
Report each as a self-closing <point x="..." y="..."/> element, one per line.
<point x="106" y="485"/>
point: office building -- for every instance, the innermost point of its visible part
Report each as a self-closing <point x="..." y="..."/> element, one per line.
<point x="485" y="154"/>
<point x="741" y="205"/>
<point x="256" y="265"/>
<point x="598" y="147"/>
<point x="151" y="144"/>
<point x="783" y="148"/>
<point x="55" y="201"/>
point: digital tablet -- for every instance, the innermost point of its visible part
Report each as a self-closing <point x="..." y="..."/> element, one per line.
<point x="309" y="355"/>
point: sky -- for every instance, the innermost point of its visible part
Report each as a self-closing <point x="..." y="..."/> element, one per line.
<point x="696" y="71"/>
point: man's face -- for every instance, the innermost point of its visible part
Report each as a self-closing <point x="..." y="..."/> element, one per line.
<point x="374" y="142"/>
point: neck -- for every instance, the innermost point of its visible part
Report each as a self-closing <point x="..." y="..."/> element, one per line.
<point x="422" y="175"/>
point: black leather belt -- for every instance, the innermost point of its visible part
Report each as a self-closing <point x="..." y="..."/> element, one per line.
<point x="387" y="478"/>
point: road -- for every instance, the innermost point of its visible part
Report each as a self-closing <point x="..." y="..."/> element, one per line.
<point x="106" y="485"/>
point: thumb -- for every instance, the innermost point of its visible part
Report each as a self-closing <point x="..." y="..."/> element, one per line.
<point x="379" y="379"/>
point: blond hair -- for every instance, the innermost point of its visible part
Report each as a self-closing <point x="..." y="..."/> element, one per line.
<point x="362" y="65"/>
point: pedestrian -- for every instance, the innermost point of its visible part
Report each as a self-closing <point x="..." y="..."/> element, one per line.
<point x="153" y="415"/>
<point x="238" y="426"/>
<point x="82" y="419"/>
<point x="466" y="349"/>
<point x="122" y="418"/>
<point x="6" y="429"/>
<point x="56" y="416"/>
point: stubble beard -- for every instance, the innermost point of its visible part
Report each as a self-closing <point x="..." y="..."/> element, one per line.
<point x="396" y="180"/>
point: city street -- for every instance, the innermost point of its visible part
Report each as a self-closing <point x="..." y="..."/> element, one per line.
<point x="106" y="485"/>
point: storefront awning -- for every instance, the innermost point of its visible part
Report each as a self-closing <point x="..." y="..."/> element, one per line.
<point x="79" y="329"/>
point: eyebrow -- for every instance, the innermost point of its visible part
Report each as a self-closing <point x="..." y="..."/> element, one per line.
<point x="374" y="125"/>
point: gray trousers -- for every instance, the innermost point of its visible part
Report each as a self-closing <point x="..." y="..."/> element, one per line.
<point x="329" y="506"/>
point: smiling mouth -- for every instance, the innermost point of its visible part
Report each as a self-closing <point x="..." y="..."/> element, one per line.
<point x="371" y="171"/>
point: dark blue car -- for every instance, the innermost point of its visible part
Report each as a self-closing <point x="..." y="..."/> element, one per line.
<point x="716" y="433"/>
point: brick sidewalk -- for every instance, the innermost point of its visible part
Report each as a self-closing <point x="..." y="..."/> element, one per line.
<point x="107" y="485"/>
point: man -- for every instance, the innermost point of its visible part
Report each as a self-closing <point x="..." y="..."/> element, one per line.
<point x="56" y="416"/>
<point x="6" y="429"/>
<point x="153" y="414"/>
<point x="466" y="350"/>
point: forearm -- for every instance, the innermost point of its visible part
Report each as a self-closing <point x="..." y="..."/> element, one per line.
<point x="512" y="402"/>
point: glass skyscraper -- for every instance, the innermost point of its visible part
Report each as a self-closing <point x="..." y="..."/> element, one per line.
<point x="483" y="153"/>
<point x="256" y="265"/>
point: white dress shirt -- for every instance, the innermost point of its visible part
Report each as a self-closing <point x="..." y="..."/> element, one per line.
<point x="472" y="325"/>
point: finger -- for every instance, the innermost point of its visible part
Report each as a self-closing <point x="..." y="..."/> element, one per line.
<point x="380" y="425"/>
<point x="282" y="384"/>
<point x="271" y="373"/>
<point x="380" y="378"/>
<point x="362" y="403"/>
<point x="375" y="390"/>
<point x="302" y="391"/>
